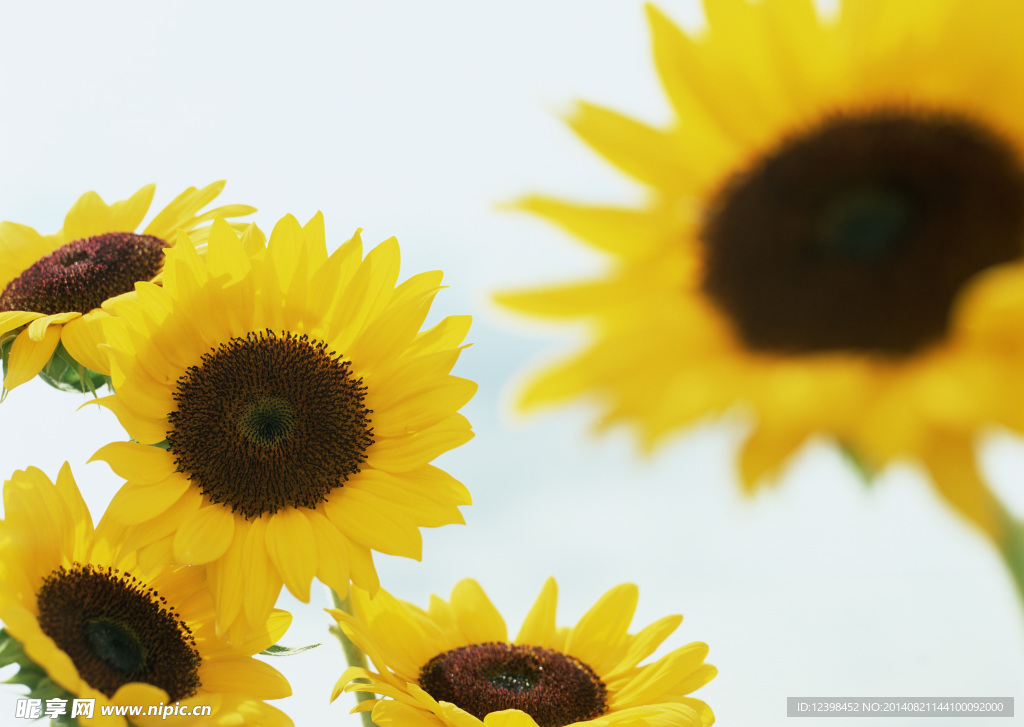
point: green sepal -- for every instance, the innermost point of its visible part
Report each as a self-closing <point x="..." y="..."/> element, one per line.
<point x="278" y="650"/>
<point x="6" y="341"/>
<point x="64" y="373"/>
<point x="858" y="463"/>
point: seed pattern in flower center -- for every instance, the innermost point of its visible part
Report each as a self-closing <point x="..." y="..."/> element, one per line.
<point x="554" y="688"/>
<point x="267" y="422"/>
<point x="117" y="630"/>
<point x="859" y="235"/>
<point x="79" y="276"/>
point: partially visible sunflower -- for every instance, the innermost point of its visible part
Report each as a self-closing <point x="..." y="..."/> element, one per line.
<point x="298" y="406"/>
<point x="453" y="665"/>
<point x="835" y="237"/>
<point x="92" y="626"/>
<point x="53" y="286"/>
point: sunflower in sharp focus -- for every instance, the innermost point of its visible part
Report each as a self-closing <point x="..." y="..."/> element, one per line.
<point x="834" y="238"/>
<point x="453" y="665"/>
<point x="52" y="287"/>
<point x="298" y="405"/>
<point x="88" y="625"/>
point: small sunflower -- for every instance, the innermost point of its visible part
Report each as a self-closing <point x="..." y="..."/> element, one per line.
<point x="53" y="286"/>
<point x="298" y="406"/>
<point x="453" y="665"/>
<point x="834" y="238"/>
<point x="88" y="625"/>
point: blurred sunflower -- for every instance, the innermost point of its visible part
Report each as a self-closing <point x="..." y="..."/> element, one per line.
<point x="54" y="285"/>
<point x="298" y="405"/>
<point x="84" y="624"/>
<point x="454" y="666"/>
<point x="834" y="237"/>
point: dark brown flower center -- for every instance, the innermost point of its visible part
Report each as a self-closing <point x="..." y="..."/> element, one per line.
<point x="859" y="234"/>
<point x="79" y="276"/>
<point x="117" y="630"/>
<point x="267" y="422"/>
<point x="554" y="688"/>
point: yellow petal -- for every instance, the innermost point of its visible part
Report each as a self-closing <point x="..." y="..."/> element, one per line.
<point x="368" y="294"/>
<point x="953" y="467"/>
<point x="630" y="233"/>
<point x="658" y="680"/>
<point x="205" y="536"/>
<point x="20" y="248"/>
<point x="135" y="504"/>
<point x="261" y="638"/>
<point x="245" y="675"/>
<point x="509" y="718"/>
<point x="28" y="357"/>
<point x="331" y="552"/>
<point x="401" y="454"/>
<point x="138" y="463"/>
<point x="372" y="521"/>
<point x="126" y="215"/>
<point x="539" y="626"/>
<point x="477" y="617"/>
<point x="9" y="320"/>
<point x="644" y="644"/>
<point x="83" y="338"/>
<point x="765" y="452"/>
<point x="225" y="255"/>
<point x="641" y="151"/>
<point x="37" y="328"/>
<point x="447" y="334"/>
<point x="258" y="578"/>
<point x="225" y="579"/>
<point x="181" y="210"/>
<point x="292" y="549"/>
<point x="422" y="409"/>
<point x="89" y="216"/>
<point x="316" y="240"/>
<point x="602" y="631"/>
<point x="141" y="429"/>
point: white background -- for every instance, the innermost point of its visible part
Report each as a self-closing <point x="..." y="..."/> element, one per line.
<point x="414" y="119"/>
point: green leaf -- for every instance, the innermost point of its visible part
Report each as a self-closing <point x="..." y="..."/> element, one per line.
<point x="860" y="466"/>
<point x="64" y="373"/>
<point x="6" y="341"/>
<point x="278" y="650"/>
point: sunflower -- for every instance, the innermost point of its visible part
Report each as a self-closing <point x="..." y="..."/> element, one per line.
<point x="87" y="625"/>
<point x="454" y="666"/>
<point x="297" y="405"/>
<point x="833" y="238"/>
<point x="54" y="285"/>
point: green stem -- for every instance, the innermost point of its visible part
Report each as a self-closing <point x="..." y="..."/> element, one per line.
<point x="353" y="655"/>
<point x="1012" y="550"/>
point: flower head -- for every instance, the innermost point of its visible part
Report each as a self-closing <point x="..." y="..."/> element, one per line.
<point x="834" y="239"/>
<point x="93" y="625"/>
<point x="298" y="406"/>
<point x="453" y="665"/>
<point x="52" y="287"/>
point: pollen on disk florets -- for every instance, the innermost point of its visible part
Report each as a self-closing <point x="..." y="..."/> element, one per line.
<point x="267" y="422"/>
<point x="79" y="276"/>
<point x="117" y="630"/>
<point x="860" y="233"/>
<point x="554" y="688"/>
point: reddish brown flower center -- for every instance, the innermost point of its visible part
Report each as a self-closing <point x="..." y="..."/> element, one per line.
<point x="554" y="688"/>
<point x="79" y="276"/>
